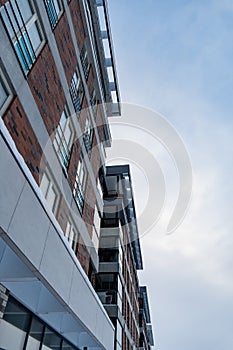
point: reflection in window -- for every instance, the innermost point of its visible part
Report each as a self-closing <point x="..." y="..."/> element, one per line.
<point x="23" y="28"/>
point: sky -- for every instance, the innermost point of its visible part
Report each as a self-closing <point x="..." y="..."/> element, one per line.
<point x="174" y="57"/>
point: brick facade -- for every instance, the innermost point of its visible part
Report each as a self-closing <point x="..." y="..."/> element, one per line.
<point x="47" y="90"/>
<point x="65" y="47"/>
<point x="77" y="22"/>
<point x="24" y="137"/>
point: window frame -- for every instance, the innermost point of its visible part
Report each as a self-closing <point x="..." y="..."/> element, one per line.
<point x="74" y="242"/>
<point x="88" y="135"/>
<point x="6" y="87"/>
<point x="76" y="90"/>
<point x="25" y="52"/>
<point x="85" y="61"/>
<point x="80" y="184"/>
<point x="53" y="184"/>
<point x="57" y="16"/>
<point x="62" y="145"/>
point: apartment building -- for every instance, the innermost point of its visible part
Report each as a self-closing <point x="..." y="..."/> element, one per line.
<point x="120" y="258"/>
<point x="58" y="86"/>
<point x="146" y="340"/>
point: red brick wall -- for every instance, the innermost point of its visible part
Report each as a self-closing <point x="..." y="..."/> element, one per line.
<point x="24" y="137"/>
<point x="66" y="47"/>
<point x="47" y="90"/>
<point x="77" y="22"/>
<point x="83" y="255"/>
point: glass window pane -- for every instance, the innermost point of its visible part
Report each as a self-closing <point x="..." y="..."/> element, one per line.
<point x="51" y="340"/>
<point x="17" y="315"/>
<point x="34" y="35"/>
<point x="7" y="341"/>
<point x="25" y="9"/>
<point x="36" y="329"/>
<point x="32" y="344"/>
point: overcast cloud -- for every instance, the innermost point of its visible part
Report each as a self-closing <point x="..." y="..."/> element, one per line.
<point x="175" y="57"/>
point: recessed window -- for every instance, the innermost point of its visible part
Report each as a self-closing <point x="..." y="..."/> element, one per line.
<point x="63" y="139"/>
<point x="94" y="101"/>
<point x="5" y="93"/>
<point x="76" y="91"/>
<point x="50" y="191"/>
<point x="72" y="235"/>
<point x="24" y="30"/>
<point x="88" y="135"/>
<point x="84" y="61"/>
<point x="54" y="10"/>
<point x="80" y="184"/>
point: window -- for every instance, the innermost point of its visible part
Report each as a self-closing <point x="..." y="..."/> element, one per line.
<point x="76" y="91"/>
<point x="5" y="93"/>
<point x="63" y="139"/>
<point x="80" y="184"/>
<point x="94" y="101"/>
<point x="54" y="10"/>
<point x="21" y="329"/>
<point x="49" y="190"/>
<point x="88" y="135"/>
<point x="96" y="229"/>
<point x="24" y="30"/>
<point x="84" y="61"/>
<point x="71" y="235"/>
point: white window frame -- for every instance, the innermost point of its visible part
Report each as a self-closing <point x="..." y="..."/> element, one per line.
<point x="88" y="135"/>
<point x="72" y="235"/>
<point x="22" y="33"/>
<point x="51" y="186"/>
<point x="61" y="143"/>
<point x="7" y="89"/>
<point x="80" y="183"/>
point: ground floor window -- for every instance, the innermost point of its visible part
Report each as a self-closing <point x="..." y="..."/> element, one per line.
<point x="20" y="329"/>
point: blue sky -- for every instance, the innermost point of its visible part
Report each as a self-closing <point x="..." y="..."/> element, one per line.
<point x="175" y="57"/>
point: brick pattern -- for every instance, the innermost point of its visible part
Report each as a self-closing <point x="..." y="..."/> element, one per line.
<point x="77" y="22"/>
<point x="89" y="206"/>
<point x="83" y="255"/>
<point x="66" y="47"/>
<point x="24" y="137"/>
<point x="91" y="79"/>
<point x="4" y="294"/>
<point x="47" y="89"/>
